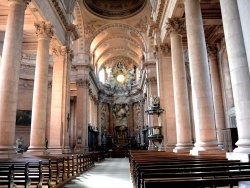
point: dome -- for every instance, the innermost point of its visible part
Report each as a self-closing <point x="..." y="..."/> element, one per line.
<point x="114" y="9"/>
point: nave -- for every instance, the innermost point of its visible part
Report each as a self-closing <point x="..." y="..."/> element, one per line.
<point x="110" y="173"/>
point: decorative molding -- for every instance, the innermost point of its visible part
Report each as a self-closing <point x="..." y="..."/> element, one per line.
<point x="175" y="26"/>
<point x="119" y="25"/>
<point x="83" y="83"/>
<point x="44" y="29"/>
<point x="29" y="56"/>
<point x="160" y="11"/>
<point x="212" y="50"/>
<point x="72" y="28"/>
<point x="59" y="52"/>
<point x="91" y="27"/>
<point x="86" y="67"/>
<point x="165" y="49"/>
<point x="151" y="80"/>
<point x="141" y="25"/>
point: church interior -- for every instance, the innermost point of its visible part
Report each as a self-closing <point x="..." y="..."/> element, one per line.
<point x="114" y="77"/>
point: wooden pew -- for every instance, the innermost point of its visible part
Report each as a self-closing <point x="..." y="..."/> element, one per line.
<point x="151" y="177"/>
<point x="7" y="176"/>
<point x="195" y="183"/>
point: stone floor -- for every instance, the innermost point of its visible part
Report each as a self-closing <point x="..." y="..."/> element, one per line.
<point x="110" y="173"/>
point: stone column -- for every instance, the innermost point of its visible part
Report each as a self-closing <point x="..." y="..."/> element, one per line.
<point x="82" y="113"/>
<point x="66" y="99"/>
<point x="57" y="122"/>
<point x="204" y="121"/>
<point x="9" y="75"/>
<point x="217" y="94"/>
<point x="166" y="94"/>
<point x="111" y="127"/>
<point x="239" y="75"/>
<point x="152" y="90"/>
<point x="244" y="7"/>
<point x="175" y="27"/>
<point x="39" y="104"/>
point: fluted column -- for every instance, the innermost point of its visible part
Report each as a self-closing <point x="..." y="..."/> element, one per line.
<point x="82" y="113"/>
<point x="217" y="94"/>
<point x="39" y="104"/>
<point x="244" y="7"/>
<point x="175" y="27"/>
<point x="206" y="141"/>
<point x="9" y="74"/>
<point x="57" y="122"/>
<point x="239" y="74"/>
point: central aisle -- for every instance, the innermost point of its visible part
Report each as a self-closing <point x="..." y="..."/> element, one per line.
<point x="110" y="173"/>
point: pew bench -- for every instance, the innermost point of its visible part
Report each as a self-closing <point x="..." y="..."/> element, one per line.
<point x="7" y="176"/>
<point x="193" y="175"/>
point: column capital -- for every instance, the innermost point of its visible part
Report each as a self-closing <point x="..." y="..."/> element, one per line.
<point x="165" y="49"/>
<point x="22" y="2"/>
<point x="83" y="83"/>
<point x="43" y="29"/>
<point x="59" y="52"/>
<point x="212" y="50"/>
<point x="152" y="80"/>
<point x="175" y="26"/>
<point x="70" y="54"/>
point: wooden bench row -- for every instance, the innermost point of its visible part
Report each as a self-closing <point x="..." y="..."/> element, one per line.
<point x="160" y="169"/>
<point x="51" y="171"/>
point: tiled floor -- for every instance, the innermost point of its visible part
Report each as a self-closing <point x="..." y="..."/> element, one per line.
<point x="110" y="173"/>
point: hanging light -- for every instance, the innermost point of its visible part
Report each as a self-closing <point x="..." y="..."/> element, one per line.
<point x="120" y="78"/>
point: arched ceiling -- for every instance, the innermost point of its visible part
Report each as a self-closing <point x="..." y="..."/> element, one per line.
<point x="117" y="42"/>
<point x="121" y="34"/>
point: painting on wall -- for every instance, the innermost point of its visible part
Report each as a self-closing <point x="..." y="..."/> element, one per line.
<point x="23" y="117"/>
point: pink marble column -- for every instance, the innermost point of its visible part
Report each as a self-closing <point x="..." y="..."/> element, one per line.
<point x="206" y="141"/>
<point x="82" y="109"/>
<point x="9" y="75"/>
<point x="175" y="27"/>
<point x="165" y="79"/>
<point x="39" y="104"/>
<point x="240" y="77"/>
<point x="217" y="94"/>
<point x="66" y="99"/>
<point x="57" y="120"/>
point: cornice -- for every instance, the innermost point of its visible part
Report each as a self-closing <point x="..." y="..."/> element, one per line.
<point x="83" y="66"/>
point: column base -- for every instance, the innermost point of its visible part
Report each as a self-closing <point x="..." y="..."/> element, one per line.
<point x="244" y="157"/>
<point x="36" y="153"/>
<point x="67" y="149"/>
<point x="207" y="152"/>
<point x="55" y="150"/>
<point x="8" y="154"/>
<point x="182" y="150"/>
<point x="152" y="148"/>
<point x="162" y="148"/>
